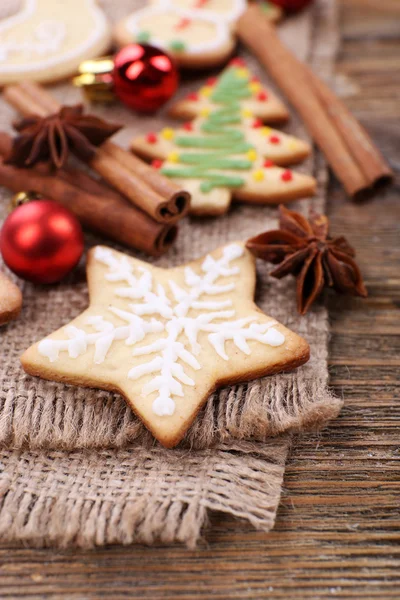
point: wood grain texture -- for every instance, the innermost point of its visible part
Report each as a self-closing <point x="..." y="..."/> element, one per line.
<point x="338" y="530"/>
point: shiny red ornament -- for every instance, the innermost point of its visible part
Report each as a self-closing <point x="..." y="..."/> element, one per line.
<point x="291" y="5"/>
<point x="41" y="241"/>
<point x="144" y="77"/>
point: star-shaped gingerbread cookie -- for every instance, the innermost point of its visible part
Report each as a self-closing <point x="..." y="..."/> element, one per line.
<point x="166" y="338"/>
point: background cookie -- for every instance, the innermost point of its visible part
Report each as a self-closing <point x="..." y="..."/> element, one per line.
<point x="227" y="152"/>
<point x="45" y="41"/>
<point x="193" y="40"/>
<point x="197" y="33"/>
<point x="10" y="299"/>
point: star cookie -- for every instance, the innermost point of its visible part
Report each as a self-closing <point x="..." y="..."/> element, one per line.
<point x="167" y="338"/>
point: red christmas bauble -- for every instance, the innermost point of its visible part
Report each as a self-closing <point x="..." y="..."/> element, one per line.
<point x="144" y="77"/>
<point x="41" y="241"/>
<point x="291" y="5"/>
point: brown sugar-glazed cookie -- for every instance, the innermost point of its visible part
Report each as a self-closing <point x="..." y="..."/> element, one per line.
<point x="166" y="338"/>
<point x="227" y="152"/>
<point x="10" y="300"/>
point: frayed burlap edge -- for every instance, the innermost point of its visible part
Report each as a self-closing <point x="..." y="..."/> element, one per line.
<point x="88" y="499"/>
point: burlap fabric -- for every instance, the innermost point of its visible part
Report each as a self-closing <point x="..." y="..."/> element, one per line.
<point x="83" y="470"/>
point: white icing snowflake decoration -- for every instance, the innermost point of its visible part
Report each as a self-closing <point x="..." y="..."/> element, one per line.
<point x="152" y="309"/>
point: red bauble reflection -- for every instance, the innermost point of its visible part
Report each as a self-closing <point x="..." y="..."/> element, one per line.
<point x="41" y="241"/>
<point x="144" y="77"/>
<point x="292" y="5"/>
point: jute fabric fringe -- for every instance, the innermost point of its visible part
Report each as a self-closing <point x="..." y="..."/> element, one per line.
<point x="79" y="469"/>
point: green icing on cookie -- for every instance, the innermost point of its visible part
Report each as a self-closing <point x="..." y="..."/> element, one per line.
<point x="143" y="37"/>
<point x="177" y="45"/>
<point x="222" y="143"/>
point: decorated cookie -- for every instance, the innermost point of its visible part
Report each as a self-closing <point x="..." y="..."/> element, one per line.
<point x="254" y="98"/>
<point x="47" y="40"/>
<point x="198" y="33"/>
<point x="166" y="338"/>
<point x="228" y="153"/>
<point x="10" y="300"/>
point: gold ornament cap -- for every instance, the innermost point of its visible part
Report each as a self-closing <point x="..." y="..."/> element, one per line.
<point x="23" y="197"/>
<point x="95" y="79"/>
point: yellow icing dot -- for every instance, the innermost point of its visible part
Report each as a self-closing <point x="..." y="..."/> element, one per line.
<point x="167" y="133"/>
<point x="246" y="112"/>
<point x="258" y="175"/>
<point x="293" y="145"/>
<point x="251" y="155"/>
<point x="266" y="130"/>
<point x="242" y="73"/>
<point x="173" y="157"/>
<point x="206" y="91"/>
<point x="204" y="112"/>
<point x="254" y="87"/>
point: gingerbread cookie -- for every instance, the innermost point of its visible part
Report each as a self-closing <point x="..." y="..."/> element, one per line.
<point x="228" y="153"/>
<point x="166" y="338"/>
<point x="10" y="300"/>
<point x="45" y="40"/>
<point x="197" y="33"/>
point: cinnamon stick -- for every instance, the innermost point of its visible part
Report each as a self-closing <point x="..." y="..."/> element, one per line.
<point x="359" y="170"/>
<point x="358" y="141"/>
<point x="147" y="189"/>
<point x="96" y="208"/>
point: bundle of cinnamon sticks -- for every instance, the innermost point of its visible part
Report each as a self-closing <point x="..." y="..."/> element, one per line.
<point x="133" y="204"/>
<point x="349" y="150"/>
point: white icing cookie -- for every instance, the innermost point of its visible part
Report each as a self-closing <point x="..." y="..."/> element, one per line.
<point x="228" y="153"/>
<point x="47" y="40"/>
<point x="197" y="33"/>
<point x="166" y="338"/>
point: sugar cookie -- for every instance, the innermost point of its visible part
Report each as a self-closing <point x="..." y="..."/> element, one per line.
<point x="197" y="33"/>
<point x="255" y="99"/>
<point x="10" y="300"/>
<point x="166" y="338"/>
<point x="47" y="40"/>
<point x="228" y="153"/>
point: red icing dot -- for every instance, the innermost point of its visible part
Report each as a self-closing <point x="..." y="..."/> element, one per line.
<point x="157" y="163"/>
<point x="183" y="23"/>
<point x="151" y="138"/>
<point x="193" y="96"/>
<point x="212" y="80"/>
<point x="262" y="96"/>
<point x="188" y="126"/>
<point x="257" y="123"/>
<point x="274" y="139"/>
<point x="237" y="62"/>
<point x="268" y="163"/>
<point x="255" y="79"/>
<point x="287" y="175"/>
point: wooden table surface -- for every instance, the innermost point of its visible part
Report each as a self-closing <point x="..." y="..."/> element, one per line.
<point x="338" y="528"/>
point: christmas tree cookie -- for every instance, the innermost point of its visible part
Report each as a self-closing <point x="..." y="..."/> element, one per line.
<point x="166" y="338"/>
<point x="228" y="152"/>
<point x="254" y="98"/>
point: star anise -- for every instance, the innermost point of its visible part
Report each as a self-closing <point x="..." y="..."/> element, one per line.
<point x="50" y="139"/>
<point x="304" y="248"/>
